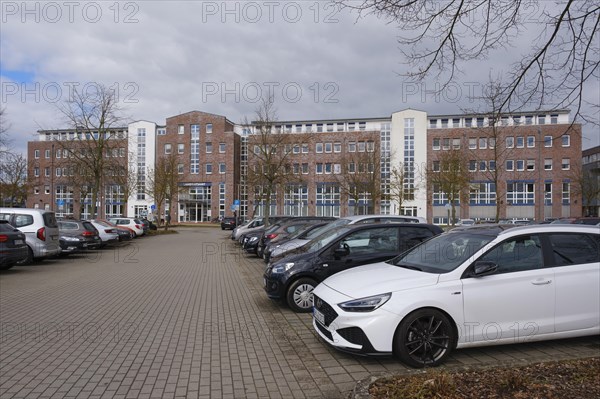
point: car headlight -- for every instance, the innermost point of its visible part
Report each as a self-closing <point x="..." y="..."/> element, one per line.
<point x="367" y="304"/>
<point x="252" y="239"/>
<point x="278" y="269"/>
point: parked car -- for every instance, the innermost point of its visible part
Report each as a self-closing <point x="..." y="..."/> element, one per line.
<point x="465" y="222"/>
<point x="481" y="286"/>
<point x="108" y="233"/>
<point x="134" y="224"/>
<point x="293" y="241"/>
<point x="77" y="235"/>
<point x="149" y="225"/>
<point x="357" y="219"/>
<point x="124" y="232"/>
<point x="40" y="228"/>
<point x="284" y="229"/>
<point x="250" y="240"/>
<point x="228" y="223"/>
<point x="13" y="248"/>
<point x="588" y="220"/>
<point x="294" y="278"/>
<point x="254" y="224"/>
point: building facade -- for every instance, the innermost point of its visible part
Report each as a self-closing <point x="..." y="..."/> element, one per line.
<point x="520" y="165"/>
<point x="591" y="181"/>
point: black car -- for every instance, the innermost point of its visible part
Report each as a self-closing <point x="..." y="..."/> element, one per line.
<point x="294" y="277"/>
<point x="77" y="235"/>
<point x="302" y="233"/>
<point x="13" y="248"/>
<point x="228" y="223"/>
<point x="250" y="241"/>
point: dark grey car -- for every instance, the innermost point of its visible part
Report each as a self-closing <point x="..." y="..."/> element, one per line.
<point x="77" y="235"/>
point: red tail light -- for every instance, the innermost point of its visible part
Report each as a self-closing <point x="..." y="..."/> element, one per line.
<point x="3" y="238"/>
<point x="109" y="231"/>
<point x="271" y="236"/>
<point x="137" y="226"/>
<point x="88" y="233"/>
<point x="41" y="234"/>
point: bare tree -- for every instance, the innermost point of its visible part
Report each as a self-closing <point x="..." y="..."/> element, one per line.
<point x="14" y="184"/>
<point x="399" y="190"/>
<point x="94" y="116"/>
<point x="270" y="167"/>
<point x="449" y="177"/>
<point x="359" y="177"/>
<point x="163" y="184"/>
<point x="5" y="141"/>
<point x="584" y="183"/>
<point x="438" y="37"/>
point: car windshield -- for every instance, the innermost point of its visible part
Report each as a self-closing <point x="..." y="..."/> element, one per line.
<point x="325" y="238"/>
<point x="443" y="253"/>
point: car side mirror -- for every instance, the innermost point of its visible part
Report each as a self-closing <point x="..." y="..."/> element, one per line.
<point x="484" y="268"/>
<point x="339" y="253"/>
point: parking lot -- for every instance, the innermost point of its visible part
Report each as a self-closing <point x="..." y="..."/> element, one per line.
<point x="183" y="315"/>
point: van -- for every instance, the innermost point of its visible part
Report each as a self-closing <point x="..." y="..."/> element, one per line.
<point x="40" y="228"/>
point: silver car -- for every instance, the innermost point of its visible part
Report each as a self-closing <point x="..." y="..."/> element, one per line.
<point x="40" y="228"/>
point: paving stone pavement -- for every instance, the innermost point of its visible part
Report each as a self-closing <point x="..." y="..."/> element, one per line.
<point x="183" y="316"/>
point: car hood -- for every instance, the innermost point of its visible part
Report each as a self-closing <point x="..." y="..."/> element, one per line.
<point x="378" y="278"/>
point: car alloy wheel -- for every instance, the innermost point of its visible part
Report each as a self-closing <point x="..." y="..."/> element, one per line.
<point x="425" y="338"/>
<point x="299" y="295"/>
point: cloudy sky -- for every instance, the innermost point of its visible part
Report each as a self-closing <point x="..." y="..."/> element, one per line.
<point x="169" y="57"/>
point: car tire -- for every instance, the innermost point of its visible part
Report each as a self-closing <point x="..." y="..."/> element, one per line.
<point x="425" y="338"/>
<point x="299" y="295"/>
<point x="28" y="260"/>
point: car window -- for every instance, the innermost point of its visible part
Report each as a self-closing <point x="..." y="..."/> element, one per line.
<point x="371" y="240"/>
<point x="411" y="236"/>
<point x="68" y="225"/>
<point x="50" y="219"/>
<point x="6" y="227"/>
<point x="574" y="249"/>
<point x="23" y="220"/>
<point x="516" y="254"/>
<point x="5" y="216"/>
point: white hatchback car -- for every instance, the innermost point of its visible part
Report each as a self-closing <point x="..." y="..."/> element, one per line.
<point x="483" y="285"/>
<point x="134" y="224"/>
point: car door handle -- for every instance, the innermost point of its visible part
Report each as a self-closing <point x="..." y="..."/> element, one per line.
<point x="541" y="282"/>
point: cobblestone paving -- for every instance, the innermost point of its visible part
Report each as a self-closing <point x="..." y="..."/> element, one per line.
<point x="183" y="316"/>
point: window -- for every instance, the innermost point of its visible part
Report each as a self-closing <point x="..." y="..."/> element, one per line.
<point x="337" y="168"/>
<point x="305" y="168"/>
<point x="482" y="166"/>
<point x="46" y="171"/>
<point x="304" y="148"/>
<point x="482" y="143"/>
<point x="36" y="190"/>
<point x="330" y="127"/>
<point x="370" y="146"/>
<point x="504" y="121"/>
<point x="472" y="143"/>
<point x="288" y="128"/>
<point x="456" y="144"/>
<point x="168" y="149"/>
<point x="468" y="122"/>
<point x="47" y="154"/>
<point x="361" y="146"/>
<point x="180" y="148"/>
<point x="209" y="128"/>
<point x="436" y="144"/>
<point x="296" y="168"/>
<point x="36" y="171"/>
<point x="554" y="119"/>
<point x="520" y="193"/>
<point x="531" y="164"/>
<point x="547" y="193"/>
<point x="542" y="119"/>
<point x="530" y="141"/>
<point x="352" y="146"/>
<point x="208" y="147"/>
<point x="46" y="191"/>
<point x="548" y="164"/>
<point x="432" y="123"/>
<point x="58" y="172"/>
<point x="566" y="193"/>
<point x="566" y="140"/>
<point x="328" y="168"/>
<point x="444" y="123"/>
<point x="510" y="165"/>
<point x="296" y="149"/>
<point x="482" y="194"/>
<point x="516" y="254"/>
<point x="520" y="142"/>
<point x="362" y="125"/>
<point x="566" y="164"/>
<point x="222" y="168"/>
<point x="456" y="122"/>
<point x="298" y="128"/>
<point x="36" y="154"/>
<point x="180" y="168"/>
<point x="328" y="147"/>
<point x="340" y="127"/>
<point x="337" y="147"/>
<point x="351" y="167"/>
<point x="180" y="129"/>
<point x="574" y="249"/>
<point x="309" y="128"/>
<point x="510" y="142"/>
<point x="319" y="170"/>
<point x="221" y="147"/>
<point x="319" y="148"/>
<point x="479" y="122"/>
<point x="436" y="166"/>
<point x="319" y="127"/>
<point x="208" y="168"/>
<point x="520" y="165"/>
<point x="492" y="142"/>
<point x="472" y="166"/>
<point x="528" y="119"/>
<point x="446" y="144"/>
<point x="547" y="141"/>
<point x="351" y="126"/>
<point x="492" y="165"/>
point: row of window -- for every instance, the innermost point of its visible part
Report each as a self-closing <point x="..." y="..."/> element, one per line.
<point x="483" y="143"/>
<point x="320" y="148"/>
<point x="208" y="168"/>
<point x="64" y="136"/>
<point x="490" y="121"/>
<point x="69" y="153"/>
<point x="321" y="127"/>
<point x="194" y="128"/>
<point x="517" y="193"/>
<point x="511" y="165"/>
<point x="168" y="148"/>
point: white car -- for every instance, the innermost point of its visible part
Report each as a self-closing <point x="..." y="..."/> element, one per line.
<point x="484" y="285"/>
<point x="134" y="224"/>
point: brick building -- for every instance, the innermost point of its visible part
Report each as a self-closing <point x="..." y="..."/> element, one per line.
<point x="591" y="175"/>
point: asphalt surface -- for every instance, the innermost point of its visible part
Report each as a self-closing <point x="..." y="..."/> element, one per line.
<point x="184" y="316"/>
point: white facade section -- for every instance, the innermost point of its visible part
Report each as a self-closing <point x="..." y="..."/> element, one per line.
<point x="142" y="149"/>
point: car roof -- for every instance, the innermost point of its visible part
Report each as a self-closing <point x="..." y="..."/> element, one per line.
<point x="502" y="229"/>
